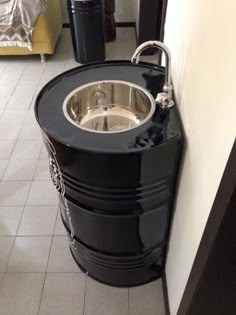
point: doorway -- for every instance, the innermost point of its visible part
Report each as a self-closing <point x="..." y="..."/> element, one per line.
<point x="152" y="14"/>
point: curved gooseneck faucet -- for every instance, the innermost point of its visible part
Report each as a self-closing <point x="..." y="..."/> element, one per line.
<point x="164" y="98"/>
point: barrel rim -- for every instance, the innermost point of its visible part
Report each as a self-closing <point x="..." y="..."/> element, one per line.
<point x="119" y="137"/>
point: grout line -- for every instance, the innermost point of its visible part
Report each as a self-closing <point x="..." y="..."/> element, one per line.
<point x="8" y="160"/>
<point x="35" y="171"/>
<point x="18" y="226"/>
<point x="45" y="274"/>
<point x="8" y="260"/>
<point x="31" y="182"/>
<point x="17" y="138"/>
<point x="27" y="180"/>
<point x="58" y="211"/>
<point x="44" y="280"/>
<point x="36" y="89"/>
<point x="24" y="208"/>
<point x="1" y="283"/>
<point x="44" y="235"/>
<point x="128" y="303"/>
<point x="16" y="86"/>
<point x="85" y="289"/>
<point x="3" y="274"/>
<point x="4" y="67"/>
<point x="19" y="180"/>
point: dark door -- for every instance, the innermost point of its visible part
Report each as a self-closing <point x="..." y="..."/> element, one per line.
<point x="216" y="293"/>
<point x="211" y="287"/>
<point x="152" y="16"/>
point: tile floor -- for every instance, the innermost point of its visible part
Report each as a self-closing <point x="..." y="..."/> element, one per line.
<point x="37" y="272"/>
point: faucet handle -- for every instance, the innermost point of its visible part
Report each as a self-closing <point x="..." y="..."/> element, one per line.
<point x="164" y="98"/>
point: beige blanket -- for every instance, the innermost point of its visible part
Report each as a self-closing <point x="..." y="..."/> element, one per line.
<point x="17" y="20"/>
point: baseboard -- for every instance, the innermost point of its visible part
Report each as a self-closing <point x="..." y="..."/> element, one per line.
<point x="165" y="294"/>
<point x="66" y="25"/>
<point x="125" y="24"/>
<point x="118" y="24"/>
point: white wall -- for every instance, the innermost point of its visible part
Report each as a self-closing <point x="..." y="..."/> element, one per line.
<point x="126" y="10"/>
<point x="137" y="9"/>
<point x="201" y="38"/>
<point x="65" y="18"/>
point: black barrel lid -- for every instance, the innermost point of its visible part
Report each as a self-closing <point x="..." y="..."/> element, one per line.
<point x="50" y="116"/>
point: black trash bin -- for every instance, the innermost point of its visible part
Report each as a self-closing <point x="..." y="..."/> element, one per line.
<point x="87" y="29"/>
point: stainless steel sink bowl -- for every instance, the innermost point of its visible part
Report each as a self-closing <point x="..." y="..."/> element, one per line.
<point x="109" y="106"/>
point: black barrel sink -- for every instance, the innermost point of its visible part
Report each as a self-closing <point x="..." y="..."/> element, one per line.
<point x="114" y="154"/>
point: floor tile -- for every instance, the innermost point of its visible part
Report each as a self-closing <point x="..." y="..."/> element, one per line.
<point x="1" y="278"/>
<point x="36" y="68"/>
<point x="44" y="153"/>
<point x="20" y="169"/>
<point x="3" y="165"/>
<point x="63" y="294"/>
<point x="19" y="101"/>
<point x="59" y="227"/>
<point x="27" y="76"/>
<point x="30" y="118"/>
<point x="38" y="220"/>
<point x="7" y="90"/>
<point x="26" y="85"/>
<point x="30" y="132"/>
<point x="9" y="220"/>
<point x="13" y="116"/>
<point x="20" y="137"/>
<point x="27" y="149"/>
<point x="43" y="81"/>
<point x="2" y="67"/>
<point x="29" y="254"/>
<point x="6" y="148"/>
<point x="51" y="72"/>
<point x="10" y="78"/>
<point x="42" y="193"/>
<point x="147" y="299"/>
<point x="20" y="294"/>
<point x="3" y="102"/>
<point x="105" y="300"/>
<point x="14" y="193"/>
<point x="150" y="59"/>
<point x="42" y="171"/>
<point x="16" y="67"/>
<point x="9" y="131"/>
<point x="60" y="259"/>
<point x="6" y="244"/>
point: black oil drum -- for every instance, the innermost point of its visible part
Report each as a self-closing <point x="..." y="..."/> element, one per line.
<point x="87" y="29"/>
<point x="114" y="153"/>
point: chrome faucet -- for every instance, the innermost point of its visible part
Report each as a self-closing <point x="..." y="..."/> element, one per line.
<point x="164" y="98"/>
